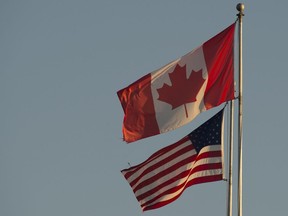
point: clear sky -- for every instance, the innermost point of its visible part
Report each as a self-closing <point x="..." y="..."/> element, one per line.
<point x="62" y="62"/>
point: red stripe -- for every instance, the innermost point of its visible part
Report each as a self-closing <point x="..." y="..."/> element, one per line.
<point x="205" y="179"/>
<point x="160" y="204"/>
<point x="209" y="154"/>
<point x="209" y="166"/>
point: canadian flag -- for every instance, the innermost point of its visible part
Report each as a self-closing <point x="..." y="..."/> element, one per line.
<point x="175" y="94"/>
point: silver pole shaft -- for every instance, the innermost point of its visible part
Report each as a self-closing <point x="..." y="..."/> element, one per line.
<point x="231" y="137"/>
<point x="240" y="8"/>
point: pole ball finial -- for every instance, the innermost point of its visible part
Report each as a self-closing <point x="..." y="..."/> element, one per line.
<point x="240" y="7"/>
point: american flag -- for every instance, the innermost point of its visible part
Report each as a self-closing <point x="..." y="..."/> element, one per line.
<point x="195" y="159"/>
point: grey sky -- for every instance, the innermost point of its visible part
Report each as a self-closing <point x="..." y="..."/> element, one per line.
<point x="62" y="62"/>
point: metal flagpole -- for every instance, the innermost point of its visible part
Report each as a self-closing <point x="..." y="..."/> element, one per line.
<point x="240" y="8"/>
<point x="231" y="137"/>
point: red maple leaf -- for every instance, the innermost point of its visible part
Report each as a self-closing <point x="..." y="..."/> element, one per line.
<point x="182" y="90"/>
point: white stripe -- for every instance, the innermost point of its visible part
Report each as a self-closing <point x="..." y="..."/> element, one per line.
<point x="209" y="148"/>
<point x="205" y="173"/>
<point x="209" y="160"/>
<point x="222" y="146"/>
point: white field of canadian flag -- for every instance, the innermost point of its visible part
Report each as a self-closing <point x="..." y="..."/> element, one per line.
<point x="167" y="117"/>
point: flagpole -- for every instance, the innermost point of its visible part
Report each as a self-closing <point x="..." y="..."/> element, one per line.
<point x="240" y="8"/>
<point x="231" y="138"/>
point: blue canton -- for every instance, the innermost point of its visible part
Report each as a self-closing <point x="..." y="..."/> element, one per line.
<point x="208" y="133"/>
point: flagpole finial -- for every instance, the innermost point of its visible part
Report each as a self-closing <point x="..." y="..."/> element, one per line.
<point x="240" y="7"/>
